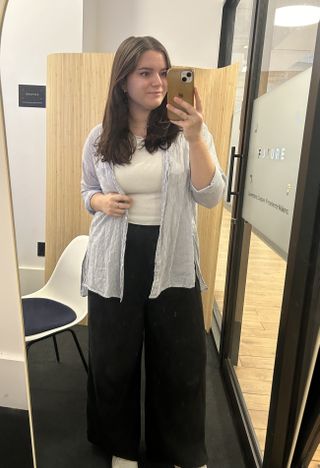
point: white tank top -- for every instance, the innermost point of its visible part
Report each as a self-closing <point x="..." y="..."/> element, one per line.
<point x="141" y="180"/>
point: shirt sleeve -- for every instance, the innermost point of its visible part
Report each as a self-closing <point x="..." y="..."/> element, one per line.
<point x="90" y="184"/>
<point x="211" y="195"/>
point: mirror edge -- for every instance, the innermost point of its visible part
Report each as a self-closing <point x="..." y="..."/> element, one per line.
<point x="3" y="143"/>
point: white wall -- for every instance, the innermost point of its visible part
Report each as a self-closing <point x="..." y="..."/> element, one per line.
<point x="189" y="30"/>
<point x="32" y="30"/>
<point x="90" y="20"/>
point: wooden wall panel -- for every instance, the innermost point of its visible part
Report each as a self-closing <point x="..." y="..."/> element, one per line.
<point x="76" y="94"/>
<point x="217" y="89"/>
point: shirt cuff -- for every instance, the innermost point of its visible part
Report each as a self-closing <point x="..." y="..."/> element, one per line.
<point x="208" y="186"/>
<point x="89" y="195"/>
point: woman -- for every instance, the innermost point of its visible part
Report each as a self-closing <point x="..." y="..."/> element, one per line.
<point x="142" y="177"/>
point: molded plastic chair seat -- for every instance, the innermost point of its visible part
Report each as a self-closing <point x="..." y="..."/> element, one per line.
<point x="58" y="306"/>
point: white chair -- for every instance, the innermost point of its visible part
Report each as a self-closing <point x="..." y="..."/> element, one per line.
<point x="58" y="306"/>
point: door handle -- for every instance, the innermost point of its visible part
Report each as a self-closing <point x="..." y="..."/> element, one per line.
<point x="229" y="186"/>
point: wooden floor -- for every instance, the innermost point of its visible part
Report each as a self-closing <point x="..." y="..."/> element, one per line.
<point x="261" y="316"/>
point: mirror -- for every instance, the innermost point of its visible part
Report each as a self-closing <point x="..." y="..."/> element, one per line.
<point x="32" y="31"/>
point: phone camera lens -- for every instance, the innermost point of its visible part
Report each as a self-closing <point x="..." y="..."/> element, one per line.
<point x="188" y="74"/>
<point x="184" y="78"/>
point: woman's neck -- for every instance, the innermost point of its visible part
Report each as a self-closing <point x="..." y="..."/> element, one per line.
<point x="138" y="131"/>
<point x="138" y="124"/>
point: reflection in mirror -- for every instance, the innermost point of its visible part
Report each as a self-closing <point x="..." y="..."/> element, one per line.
<point x="29" y="36"/>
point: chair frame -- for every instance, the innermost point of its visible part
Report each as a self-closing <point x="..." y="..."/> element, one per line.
<point x="54" y="335"/>
<point x="74" y="254"/>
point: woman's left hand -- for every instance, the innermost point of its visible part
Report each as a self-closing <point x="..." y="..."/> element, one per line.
<point x="190" y="117"/>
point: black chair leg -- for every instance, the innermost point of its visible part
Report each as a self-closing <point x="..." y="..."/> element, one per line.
<point x="56" y="347"/>
<point x="79" y="348"/>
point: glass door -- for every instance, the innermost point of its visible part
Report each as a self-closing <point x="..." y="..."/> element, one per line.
<point x="261" y="256"/>
<point x="277" y="130"/>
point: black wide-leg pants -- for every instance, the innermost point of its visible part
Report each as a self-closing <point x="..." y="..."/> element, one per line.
<point x="172" y="329"/>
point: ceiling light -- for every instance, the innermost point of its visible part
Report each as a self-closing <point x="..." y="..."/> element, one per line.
<point x="297" y="15"/>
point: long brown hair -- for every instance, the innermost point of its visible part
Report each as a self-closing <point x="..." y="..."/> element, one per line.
<point x="116" y="143"/>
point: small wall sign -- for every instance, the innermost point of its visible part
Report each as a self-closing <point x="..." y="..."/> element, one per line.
<point x="32" y="96"/>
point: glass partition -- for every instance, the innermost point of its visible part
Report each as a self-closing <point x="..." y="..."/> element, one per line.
<point x="269" y="196"/>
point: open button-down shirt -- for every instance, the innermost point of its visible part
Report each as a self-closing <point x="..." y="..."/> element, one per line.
<point x="177" y="251"/>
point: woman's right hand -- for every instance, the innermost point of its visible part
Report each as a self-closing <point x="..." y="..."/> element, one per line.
<point x="112" y="204"/>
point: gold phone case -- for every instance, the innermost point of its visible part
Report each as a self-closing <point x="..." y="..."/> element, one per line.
<point x="180" y="83"/>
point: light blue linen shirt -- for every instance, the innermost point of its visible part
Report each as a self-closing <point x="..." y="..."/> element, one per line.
<point x="177" y="252"/>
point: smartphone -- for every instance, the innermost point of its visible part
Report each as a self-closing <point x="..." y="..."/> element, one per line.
<point x="180" y="83"/>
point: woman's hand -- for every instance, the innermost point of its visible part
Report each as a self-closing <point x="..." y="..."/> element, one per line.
<point x="190" y="118"/>
<point x="112" y="204"/>
<point x="202" y="166"/>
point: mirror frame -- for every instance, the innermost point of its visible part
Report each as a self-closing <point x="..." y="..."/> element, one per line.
<point x="10" y="219"/>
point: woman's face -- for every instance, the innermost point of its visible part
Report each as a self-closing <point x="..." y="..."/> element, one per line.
<point x="146" y="86"/>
